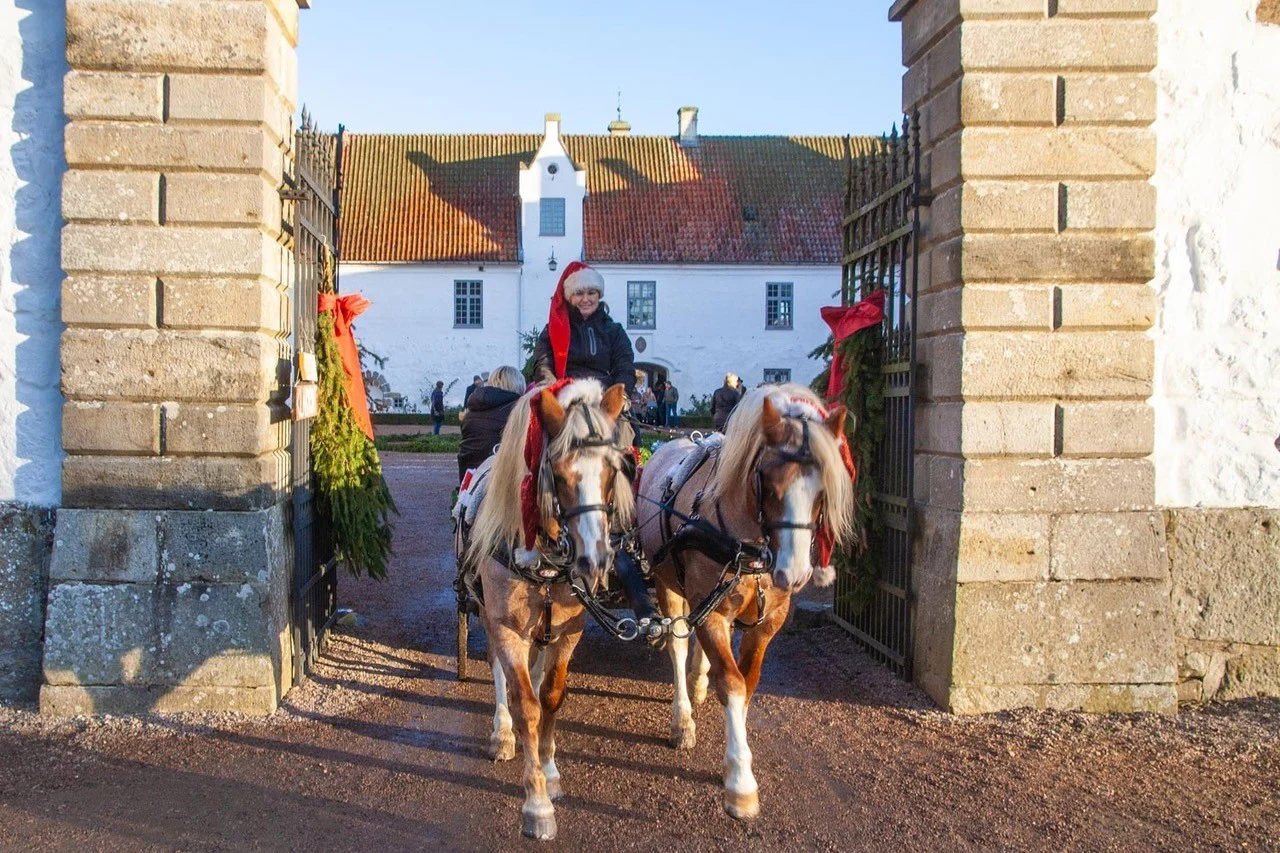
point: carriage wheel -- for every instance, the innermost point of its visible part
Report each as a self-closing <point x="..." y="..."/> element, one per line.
<point x="462" y="644"/>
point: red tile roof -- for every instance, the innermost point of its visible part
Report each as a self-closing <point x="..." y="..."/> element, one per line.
<point x="649" y="200"/>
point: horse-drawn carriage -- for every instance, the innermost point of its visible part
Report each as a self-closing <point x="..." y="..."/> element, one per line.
<point x="730" y="525"/>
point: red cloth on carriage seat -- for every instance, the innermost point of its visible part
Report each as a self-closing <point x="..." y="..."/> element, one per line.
<point x="533" y="440"/>
<point x="345" y="309"/>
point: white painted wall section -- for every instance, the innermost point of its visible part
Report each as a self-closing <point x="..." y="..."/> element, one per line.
<point x="32" y="65"/>
<point x="1217" y="336"/>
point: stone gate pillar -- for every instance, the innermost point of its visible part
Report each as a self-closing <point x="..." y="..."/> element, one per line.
<point x="169" y="577"/>
<point x="1041" y="578"/>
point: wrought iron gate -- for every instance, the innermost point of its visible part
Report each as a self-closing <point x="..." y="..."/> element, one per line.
<point x="312" y="191"/>
<point x="880" y="251"/>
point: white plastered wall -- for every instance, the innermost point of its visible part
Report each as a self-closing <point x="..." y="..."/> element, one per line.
<point x="32" y="65"/>
<point x="1217" y="335"/>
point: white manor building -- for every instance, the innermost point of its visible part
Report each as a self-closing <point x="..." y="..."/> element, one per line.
<point x="717" y="252"/>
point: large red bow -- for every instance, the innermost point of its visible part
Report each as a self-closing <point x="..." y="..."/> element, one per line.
<point x="844" y="322"/>
<point x="345" y="309"/>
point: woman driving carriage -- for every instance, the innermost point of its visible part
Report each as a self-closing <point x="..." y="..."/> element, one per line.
<point x="581" y="341"/>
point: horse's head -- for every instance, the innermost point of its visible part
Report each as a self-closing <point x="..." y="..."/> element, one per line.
<point x="800" y="483"/>
<point x="583" y="460"/>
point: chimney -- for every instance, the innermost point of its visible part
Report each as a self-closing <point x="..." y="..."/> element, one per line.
<point x="619" y="128"/>
<point x="551" y="126"/>
<point x="688" y="125"/>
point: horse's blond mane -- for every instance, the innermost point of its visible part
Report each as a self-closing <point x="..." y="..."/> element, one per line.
<point x="498" y="521"/>
<point x="744" y="439"/>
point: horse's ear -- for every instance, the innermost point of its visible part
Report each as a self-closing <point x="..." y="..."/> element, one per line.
<point x="771" y="423"/>
<point x="613" y="401"/>
<point x="552" y="413"/>
<point x="835" y="420"/>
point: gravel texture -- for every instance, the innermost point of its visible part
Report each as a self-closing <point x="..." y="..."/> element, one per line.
<point x="384" y="750"/>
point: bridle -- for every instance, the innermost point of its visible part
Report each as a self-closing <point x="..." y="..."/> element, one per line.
<point x="594" y="438"/>
<point x="801" y="456"/>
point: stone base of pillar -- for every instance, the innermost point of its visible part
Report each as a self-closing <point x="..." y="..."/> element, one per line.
<point x="158" y="610"/>
<point x="26" y="536"/>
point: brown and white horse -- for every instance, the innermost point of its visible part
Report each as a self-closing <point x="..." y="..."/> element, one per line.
<point x="532" y="619"/>
<point x="777" y="479"/>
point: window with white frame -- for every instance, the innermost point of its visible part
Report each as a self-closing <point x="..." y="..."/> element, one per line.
<point x="642" y="304"/>
<point x="468" y="304"/>
<point x="778" y="305"/>
<point x="551" y="217"/>
<point x="776" y="375"/>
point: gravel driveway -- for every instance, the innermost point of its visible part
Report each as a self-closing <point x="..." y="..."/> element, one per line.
<point x="383" y="750"/>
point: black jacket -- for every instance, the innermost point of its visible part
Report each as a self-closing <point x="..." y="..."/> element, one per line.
<point x="598" y="349"/>
<point x="487" y="411"/>
<point x="722" y="403"/>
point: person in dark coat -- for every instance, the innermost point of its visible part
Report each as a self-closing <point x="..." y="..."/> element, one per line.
<point x="471" y="389"/>
<point x="581" y="341"/>
<point x="437" y="408"/>
<point x="487" y="410"/>
<point x="724" y="400"/>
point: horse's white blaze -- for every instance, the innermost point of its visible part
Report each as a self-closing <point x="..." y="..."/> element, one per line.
<point x="792" y="566"/>
<point x="592" y="526"/>
<point x="737" y="755"/>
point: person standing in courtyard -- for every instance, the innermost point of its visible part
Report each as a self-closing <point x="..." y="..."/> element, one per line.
<point x="724" y="400"/>
<point x="437" y="407"/>
<point x="660" y="397"/>
<point x="471" y="389"/>
<point x="669" y="400"/>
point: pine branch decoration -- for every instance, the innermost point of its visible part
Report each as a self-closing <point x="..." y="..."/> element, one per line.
<point x="352" y="492"/>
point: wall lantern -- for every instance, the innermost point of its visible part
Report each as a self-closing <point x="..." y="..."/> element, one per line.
<point x="551" y="262"/>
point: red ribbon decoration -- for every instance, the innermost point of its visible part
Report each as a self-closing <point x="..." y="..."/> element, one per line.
<point x="533" y="441"/>
<point x="844" y="322"/>
<point x="345" y="309"/>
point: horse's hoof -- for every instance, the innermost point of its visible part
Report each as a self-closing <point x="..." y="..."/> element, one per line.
<point x="742" y="806"/>
<point x="686" y="737"/>
<point x="502" y="747"/>
<point x="539" y="826"/>
<point x="554" y="790"/>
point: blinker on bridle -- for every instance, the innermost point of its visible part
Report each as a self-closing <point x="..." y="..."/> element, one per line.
<point x="803" y="455"/>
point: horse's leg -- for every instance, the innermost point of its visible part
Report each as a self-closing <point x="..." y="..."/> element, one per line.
<point x="502" y="740"/>
<point x="683" y="730"/>
<point x="555" y="671"/>
<point x="754" y="644"/>
<point x="741" y="794"/>
<point x="537" y="814"/>
<point x="701" y="666"/>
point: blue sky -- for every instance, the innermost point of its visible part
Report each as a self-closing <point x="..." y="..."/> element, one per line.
<point x="401" y="66"/>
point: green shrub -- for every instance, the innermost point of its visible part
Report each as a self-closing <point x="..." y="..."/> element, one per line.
<point x="422" y="443"/>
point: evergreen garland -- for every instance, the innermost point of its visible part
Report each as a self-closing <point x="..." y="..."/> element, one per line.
<point x="863" y="395"/>
<point x="351" y="491"/>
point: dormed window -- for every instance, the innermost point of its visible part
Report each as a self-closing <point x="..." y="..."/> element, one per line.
<point x="551" y="217"/>
<point x="642" y="305"/>
<point x="468" y="304"/>
<point x="777" y="305"/>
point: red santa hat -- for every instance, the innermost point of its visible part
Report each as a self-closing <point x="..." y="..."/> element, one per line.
<point x="576" y="277"/>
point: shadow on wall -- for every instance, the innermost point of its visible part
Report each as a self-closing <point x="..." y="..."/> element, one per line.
<point x="39" y="161"/>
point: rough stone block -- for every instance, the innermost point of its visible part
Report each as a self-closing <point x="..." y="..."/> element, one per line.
<point x="1105" y="306"/>
<point x="221" y="547"/>
<point x="933" y="585"/>
<point x="1003" y="547"/>
<point x="1251" y="671"/>
<point x="1058" y="485"/>
<point x="997" y="307"/>
<point x="938" y="427"/>
<point x="221" y="199"/>
<point x="1058" y="43"/>
<point x="71" y="700"/>
<point x="185" y="251"/>
<point x="225" y="430"/>
<point x="111" y="196"/>
<point x="105" y="545"/>
<point x="117" y="428"/>
<point x="1064" y="633"/>
<point x="26" y="535"/>
<point x="939" y="358"/>
<point x="1007" y="429"/>
<point x="1057" y="153"/>
<point x="1109" y="99"/>
<point x="1106" y="429"/>
<point x="1268" y="11"/>
<point x="1009" y="99"/>
<point x="140" y="482"/>
<point x="172" y="365"/>
<point x="109" y="301"/>
<point x="1107" y="8"/>
<point x="174" y="148"/>
<point x="1110" y="205"/>
<point x="1023" y="258"/>
<point x="1091" y="698"/>
<point x="923" y="24"/>
<point x="1057" y="364"/>
<point x="939" y="312"/>
<point x="1108" y="546"/>
<point x="1224" y="568"/>
<point x="243" y="304"/>
<point x="248" y="100"/>
<point x="940" y="116"/>
<point x="1010" y="206"/>
<point x="114" y="96"/>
